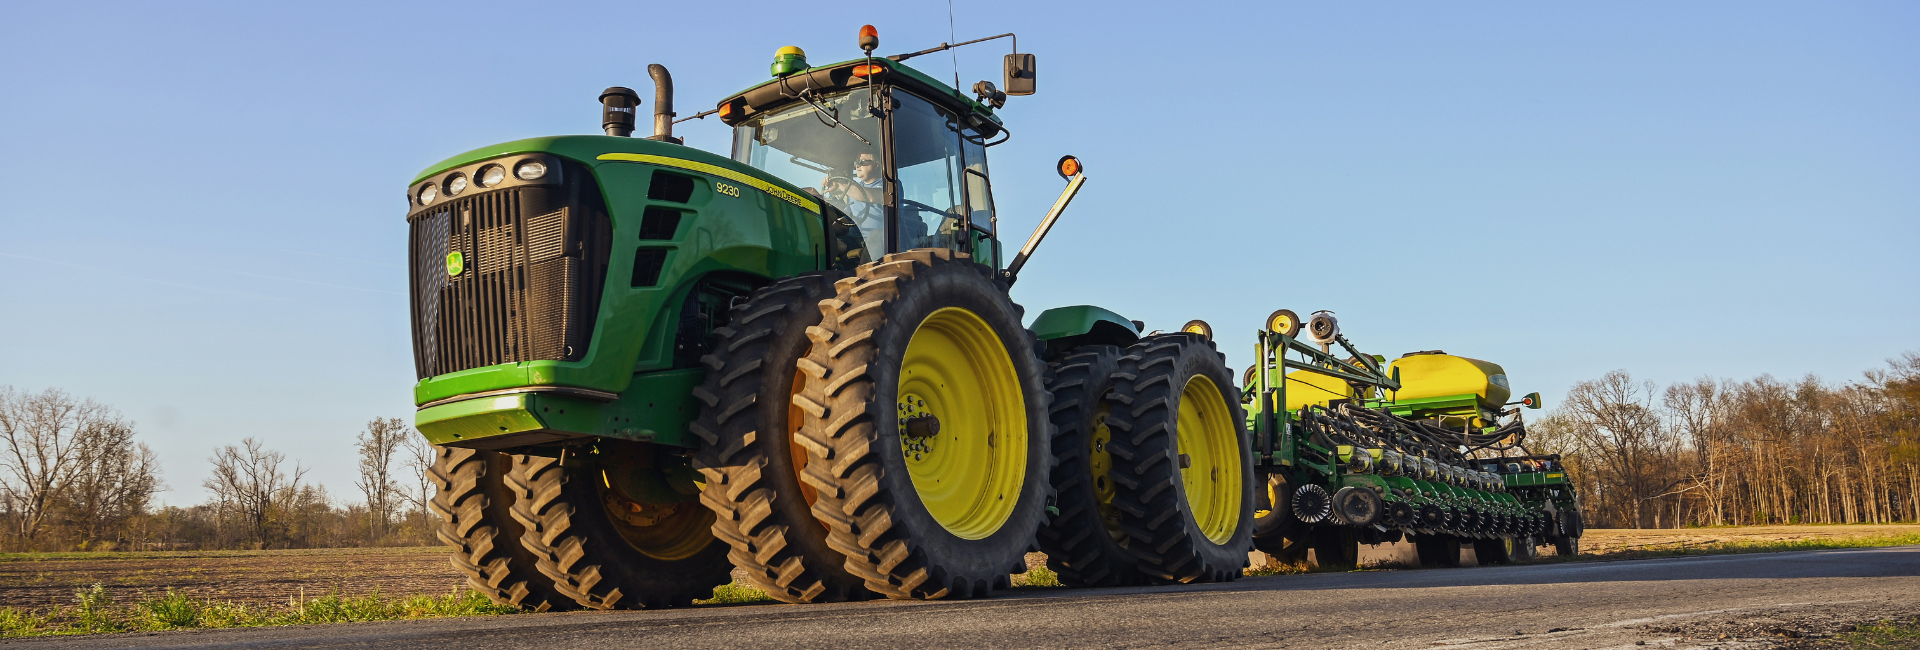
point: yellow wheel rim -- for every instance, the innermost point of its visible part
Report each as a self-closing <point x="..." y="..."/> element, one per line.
<point x="1211" y="473"/>
<point x="1274" y="482"/>
<point x="968" y="470"/>
<point x="664" y="531"/>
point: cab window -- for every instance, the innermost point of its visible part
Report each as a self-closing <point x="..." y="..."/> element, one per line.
<point x="979" y="191"/>
<point x="804" y="148"/>
<point x="929" y="165"/>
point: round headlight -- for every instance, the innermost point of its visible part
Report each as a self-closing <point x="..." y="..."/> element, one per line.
<point x="456" y="185"/>
<point x="492" y="175"/>
<point x="530" y="170"/>
<point x="428" y="193"/>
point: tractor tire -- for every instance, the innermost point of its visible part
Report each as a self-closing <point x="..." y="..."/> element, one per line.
<point x="752" y="467"/>
<point x="656" y="554"/>
<point x="1489" y="552"/>
<point x="1083" y="543"/>
<point x="1183" y="470"/>
<point x="475" y="508"/>
<point x="1526" y="548"/>
<point x="1437" y="551"/>
<point x="1566" y="541"/>
<point x="1335" y="548"/>
<point x="927" y="427"/>
<point x="1275" y="529"/>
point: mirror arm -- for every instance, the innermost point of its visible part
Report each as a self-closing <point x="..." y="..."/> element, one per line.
<point x="944" y="47"/>
<point x="1059" y="206"/>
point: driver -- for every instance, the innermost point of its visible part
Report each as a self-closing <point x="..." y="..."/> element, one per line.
<point x="863" y="197"/>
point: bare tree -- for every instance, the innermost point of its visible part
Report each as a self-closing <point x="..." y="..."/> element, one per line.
<point x="1621" y="437"/>
<point x="76" y="458"/>
<point x="420" y="458"/>
<point x="379" y="445"/>
<point x="248" y="482"/>
<point x="118" y="483"/>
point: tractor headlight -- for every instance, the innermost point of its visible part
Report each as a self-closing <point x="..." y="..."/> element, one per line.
<point x="428" y="193"/>
<point x="530" y="170"/>
<point x="456" y="185"/>
<point x="492" y="175"/>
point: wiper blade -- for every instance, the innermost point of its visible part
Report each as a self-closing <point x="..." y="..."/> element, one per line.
<point x="835" y="120"/>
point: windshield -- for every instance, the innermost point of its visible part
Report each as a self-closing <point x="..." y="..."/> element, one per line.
<point x="804" y="147"/>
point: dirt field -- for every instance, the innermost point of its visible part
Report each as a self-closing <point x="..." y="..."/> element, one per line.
<point x="40" y="579"/>
<point x="1601" y="541"/>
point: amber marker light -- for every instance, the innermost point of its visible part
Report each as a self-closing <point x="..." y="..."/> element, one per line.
<point x="867" y="70"/>
<point x="1069" y="167"/>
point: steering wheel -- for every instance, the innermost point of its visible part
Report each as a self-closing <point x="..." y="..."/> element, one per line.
<point x="840" y="182"/>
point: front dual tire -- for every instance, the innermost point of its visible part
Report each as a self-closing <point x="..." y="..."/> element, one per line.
<point x="926" y="427"/>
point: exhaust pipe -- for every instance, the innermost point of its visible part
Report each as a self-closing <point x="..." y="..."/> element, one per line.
<point x="662" y="104"/>
<point x="617" y="106"/>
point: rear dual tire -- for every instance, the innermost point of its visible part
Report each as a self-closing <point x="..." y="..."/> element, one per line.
<point x="1182" y="468"/>
<point x="1083" y="542"/>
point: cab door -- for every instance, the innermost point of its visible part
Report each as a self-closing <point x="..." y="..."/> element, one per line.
<point x="930" y="207"/>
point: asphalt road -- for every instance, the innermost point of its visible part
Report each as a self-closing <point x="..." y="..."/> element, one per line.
<point x="1675" y="602"/>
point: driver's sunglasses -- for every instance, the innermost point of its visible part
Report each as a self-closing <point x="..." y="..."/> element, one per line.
<point x="862" y="163"/>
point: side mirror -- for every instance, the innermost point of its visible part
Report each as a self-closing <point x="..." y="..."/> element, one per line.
<point x="1532" y="400"/>
<point x="1020" y="74"/>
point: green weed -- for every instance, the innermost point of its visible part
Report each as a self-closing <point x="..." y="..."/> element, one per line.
<point x="734" y="593"/>
<point x="95" y="611"/>
<point x="1884" y="635"/>
<point x="1039" y="576"/>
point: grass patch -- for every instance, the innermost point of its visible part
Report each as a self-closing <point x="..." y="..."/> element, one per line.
<point x="96" y="611"/>
<point x="1884" y="635"/>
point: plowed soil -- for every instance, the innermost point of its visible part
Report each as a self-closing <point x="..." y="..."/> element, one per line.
<point x="1602" y="541"/>
<point x="40" y="579"/>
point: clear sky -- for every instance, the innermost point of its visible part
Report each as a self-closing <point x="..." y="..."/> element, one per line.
<point x="203" y="221"/>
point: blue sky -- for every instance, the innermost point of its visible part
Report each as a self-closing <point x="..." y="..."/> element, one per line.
<point x="204" y="227"/>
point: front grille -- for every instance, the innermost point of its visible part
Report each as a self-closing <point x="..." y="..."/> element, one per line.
<point x="533" y="261"/>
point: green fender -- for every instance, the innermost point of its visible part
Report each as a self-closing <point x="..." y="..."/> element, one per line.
<point x="1062" y="329"/>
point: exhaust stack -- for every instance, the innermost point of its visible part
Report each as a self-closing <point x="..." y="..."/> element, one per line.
<point x="662" y="104"/>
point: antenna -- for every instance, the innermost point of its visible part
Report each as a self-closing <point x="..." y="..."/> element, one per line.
<point x="951" y="37"/>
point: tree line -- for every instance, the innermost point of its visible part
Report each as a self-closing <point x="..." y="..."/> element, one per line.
<point x="1725" y="452"/>
<point x="73" y="477"/>
<point x="1699" y="453"/>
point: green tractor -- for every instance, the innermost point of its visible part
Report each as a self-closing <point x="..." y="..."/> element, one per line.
<point x="812" y="372"/>
<point x="1351" y="451"/>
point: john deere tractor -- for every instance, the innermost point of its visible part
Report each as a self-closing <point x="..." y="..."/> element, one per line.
<point x="645" y="365"/>
<point x="1353" y="450"/>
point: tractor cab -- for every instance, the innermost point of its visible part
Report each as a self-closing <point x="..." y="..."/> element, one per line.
<point x="897" y="160"/>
